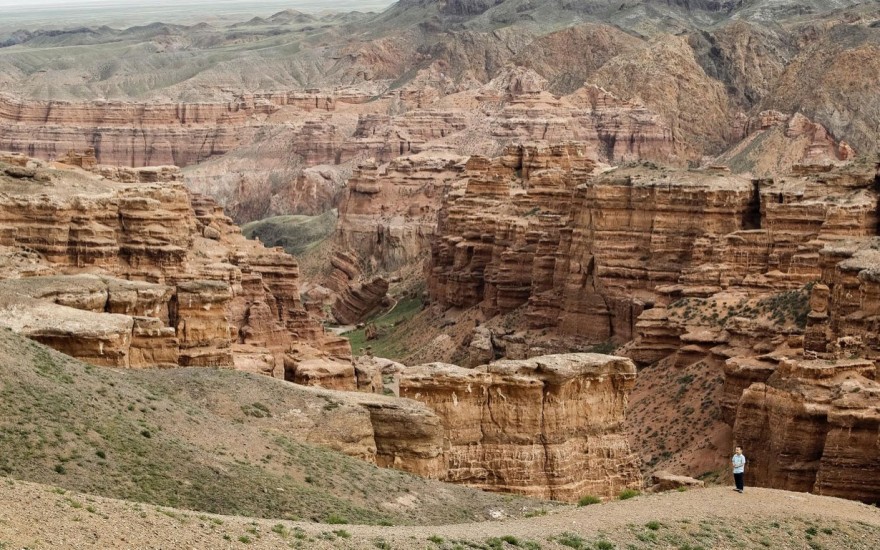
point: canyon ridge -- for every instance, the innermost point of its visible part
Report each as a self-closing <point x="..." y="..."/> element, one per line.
<point x="568" y="251"/>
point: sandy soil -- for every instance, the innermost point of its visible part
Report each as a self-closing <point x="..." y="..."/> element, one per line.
<point x="38" y="516"/>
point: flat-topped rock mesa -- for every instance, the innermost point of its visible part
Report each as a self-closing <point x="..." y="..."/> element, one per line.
<point x="794" y="336"/>
<point x="586" y="253"/>
<point x="136" y="271"/>
<point x="149" y="134"/>
<point x="548" y="427"/>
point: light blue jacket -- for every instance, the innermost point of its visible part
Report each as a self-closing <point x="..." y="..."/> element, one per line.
<point x="739" y="463"/>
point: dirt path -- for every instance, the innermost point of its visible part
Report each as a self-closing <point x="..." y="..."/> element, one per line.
<point x="38" y="516"/>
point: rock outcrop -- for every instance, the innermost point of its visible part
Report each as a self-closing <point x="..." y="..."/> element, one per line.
<point x="772" y="143"/>
<point x="549" y="427"/>
<point x="536" y="228"/>
<point x="583" y="252"/>
<point x="799" y="388"/>
<point x="147" y="134"/>
<point x="389" y="214"/>
<point x="814" y="426"/>
<point x="357" y="303"/>
<point x="146" y="274"/>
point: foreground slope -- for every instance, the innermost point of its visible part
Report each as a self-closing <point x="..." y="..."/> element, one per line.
<point x="210" y="440"/>
<point x="705" y="518"/>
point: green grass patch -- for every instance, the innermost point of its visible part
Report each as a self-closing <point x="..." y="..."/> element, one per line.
<point x="588" y="500"/>
<point x="387" y="344"/>
<point x="295" y="234"/>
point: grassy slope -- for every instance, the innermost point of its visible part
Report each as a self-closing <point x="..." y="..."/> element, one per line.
<point x="296" y="234"/>
<point x="201" y="439"/>
<point x="388" y="344"/>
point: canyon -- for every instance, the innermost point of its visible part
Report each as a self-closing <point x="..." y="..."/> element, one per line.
<point x="765" y="285"/>
<point x="144" y="274"/>
<point x="272" y="116"/>
<point x="126" y="268"/>
<point x="611" y="263"/>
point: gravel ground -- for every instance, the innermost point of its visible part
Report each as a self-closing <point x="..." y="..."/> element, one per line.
<point x="39" y="516"/>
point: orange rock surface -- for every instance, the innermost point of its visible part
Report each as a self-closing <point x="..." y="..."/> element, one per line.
<point x="549" y="427"/>
<point x="148" y="274"/>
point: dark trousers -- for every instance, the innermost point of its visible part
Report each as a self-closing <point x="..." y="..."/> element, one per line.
<point x="738" y="478"/>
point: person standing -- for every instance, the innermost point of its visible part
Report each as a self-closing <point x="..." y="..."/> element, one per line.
<point x="739" y="468"/>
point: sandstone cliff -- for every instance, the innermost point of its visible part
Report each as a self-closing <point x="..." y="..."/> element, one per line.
<point x="144" y="273"/>
<point x="813" y="427"/>
<point x="549" y="427"/>
<point x="798" y="365"/>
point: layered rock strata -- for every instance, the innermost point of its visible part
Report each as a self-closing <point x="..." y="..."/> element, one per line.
<point x="357" y="303"/>
<point x="389" y="213"/>
<point x="549" y="427"/>
<point x="586" y="253"/>
<point x="800" y="388"/>
<point x="148" y="134"/>
<point x="814" y="426"/>
<point x="148" y="274"/>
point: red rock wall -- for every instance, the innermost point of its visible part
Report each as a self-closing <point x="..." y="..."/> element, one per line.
<point x="813" y="427"/>
<point x="549" y="427"/>
<point x="216" y="291"/>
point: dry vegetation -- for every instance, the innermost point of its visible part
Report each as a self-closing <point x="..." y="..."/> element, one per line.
<point x="217" y="441"/>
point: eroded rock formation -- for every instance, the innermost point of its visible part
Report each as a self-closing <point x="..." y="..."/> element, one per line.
<point x="813" y="426"/>
<point x="135" y="271"/>
<point x="549" y="427"/>
<point x="800" y="388"/>
<point x="146" y="134"/>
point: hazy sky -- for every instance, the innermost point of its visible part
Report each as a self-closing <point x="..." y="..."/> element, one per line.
<point x="23" y="5"/>
<point x="17" y="14"/>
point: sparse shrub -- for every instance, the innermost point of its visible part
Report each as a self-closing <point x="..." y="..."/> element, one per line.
<point x="60" y="469"/>
<point x="605" y="348"/>
<point x="589" y="499"/>
<point x="628" y="494"/>
<point x="435" y="539"/>
<point x="146" y="433"/>
<point x="604" y="545"/>
<point x="244" y="539"/>
<point x="342" y="533"/>
<point x="101" y="454"/>
<point x="333" y="519"/>
<point x="572" y="540"/>
<point x="256" y="410"/>
<point x="653" y="525"/>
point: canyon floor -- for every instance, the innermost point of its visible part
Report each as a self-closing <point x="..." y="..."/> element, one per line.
<point x="702" y="518"/>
